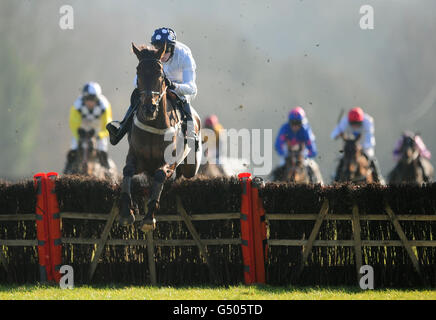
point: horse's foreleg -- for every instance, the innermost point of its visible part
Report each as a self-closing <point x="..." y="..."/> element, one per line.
<point x="159" y="178"/>
<point x="126" y="214"/>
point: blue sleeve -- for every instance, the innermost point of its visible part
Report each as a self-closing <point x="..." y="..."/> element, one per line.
<point x="280" y="140"/>
<point x="310" y="143"/>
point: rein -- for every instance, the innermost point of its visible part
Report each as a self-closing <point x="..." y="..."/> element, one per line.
<point x="161" y="94"/>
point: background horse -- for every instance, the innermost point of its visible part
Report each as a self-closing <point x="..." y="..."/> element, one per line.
<point x="228" y="167"/>
<point x="225" y="167"/>
<point x="354" y="165"/>
<point x="87" y="161"/>
<point x="156" y="143"/>
<point x="411" y="167"/>
<point x="294" y="169"/>
<point x="215" y="164"/>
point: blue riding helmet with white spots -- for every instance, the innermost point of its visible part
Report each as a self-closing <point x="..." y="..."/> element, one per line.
<point x="164" y="35"/>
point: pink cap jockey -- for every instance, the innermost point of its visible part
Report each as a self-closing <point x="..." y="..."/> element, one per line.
<point x="423" y="151"/>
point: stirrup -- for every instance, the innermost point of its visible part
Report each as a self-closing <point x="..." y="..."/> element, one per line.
<point x="103" y="158"/>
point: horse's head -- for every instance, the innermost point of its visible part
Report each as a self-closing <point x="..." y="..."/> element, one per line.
<point x="151" y="81"/>
<point x="352" y="147"/>
<point x="355" y="165"/>
<point x="409" y="150"/>
<point x="86" y="140"/>
<point x="86" y="150"/>
<point x="295" y="155"/>
<point x="295" y="164"/>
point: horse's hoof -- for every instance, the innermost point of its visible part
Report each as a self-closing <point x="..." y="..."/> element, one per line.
<point x="126" y="220"/>
<point x="148" y="225"/>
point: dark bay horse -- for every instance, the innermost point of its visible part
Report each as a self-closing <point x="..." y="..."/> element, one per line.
<point x="354" y="165"/>
<point x="411" y="167"/>
<point x="156" y="142"/>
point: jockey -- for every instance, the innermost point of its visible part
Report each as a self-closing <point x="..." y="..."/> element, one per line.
<point x="212" y="123"/>
<point x="90" y="111"/>
<point x="423" y="151"/>
<point x="296" y="131"/>
<point x="357" y="123"/>
<point x="179" y="68"/>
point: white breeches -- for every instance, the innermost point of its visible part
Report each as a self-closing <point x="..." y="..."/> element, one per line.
<point x="102" y="144"/>
<point x="311" y="163"/>
<point x="370" y="152"/>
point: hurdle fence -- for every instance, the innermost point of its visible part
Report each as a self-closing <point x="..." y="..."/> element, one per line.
<point x="249" y="259"/>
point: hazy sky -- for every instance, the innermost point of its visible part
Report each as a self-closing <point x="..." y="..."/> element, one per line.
<point x="266" y="56"/>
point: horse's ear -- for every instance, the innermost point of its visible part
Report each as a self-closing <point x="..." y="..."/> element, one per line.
<point x="161" y="51"/>
<point x="135" y="49"/>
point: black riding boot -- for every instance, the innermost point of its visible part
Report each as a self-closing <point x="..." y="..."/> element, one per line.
<point x="311" y="174"/>
<point x="117" y="129"/>
<point x="377" y="175"/>
<point x="425" y="177"/>
<point x="337" y="172"/>
<point x="71" y="157"/>
<point x="103" y="158"/>
<point x="190" y="126"/>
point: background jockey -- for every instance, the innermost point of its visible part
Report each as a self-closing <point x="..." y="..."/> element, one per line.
<point x="90" y="111"/>
<point x="357" y="123"/>
<point x="297" y="131"/>
<point x="423" y="151"/>
<point x="212" y="123"/>
<point x="179" y="68"/>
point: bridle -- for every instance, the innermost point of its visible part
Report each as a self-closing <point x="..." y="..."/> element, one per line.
<point x="171" y="130"/>
<point x="150" y="92"/>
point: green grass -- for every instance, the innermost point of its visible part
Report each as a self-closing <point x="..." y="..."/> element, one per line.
<point x="258" y="292"/>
